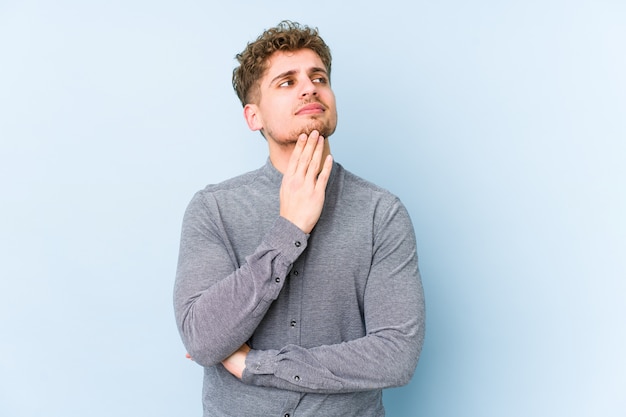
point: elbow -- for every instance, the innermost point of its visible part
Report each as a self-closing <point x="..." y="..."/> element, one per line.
<point x="414" y="350"/>
<point x="201" y="350"/>
<point x="406" y="357"/>
<point x="404" y="370"/>
<point x="201" y="357"/>
<point x="200" y="345"/>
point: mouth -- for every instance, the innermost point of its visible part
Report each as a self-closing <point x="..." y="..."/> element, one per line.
<point x="311" y="108"/>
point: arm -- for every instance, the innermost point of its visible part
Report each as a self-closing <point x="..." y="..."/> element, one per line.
<point x="394" y="316"/>
<point x="218" y="305"/>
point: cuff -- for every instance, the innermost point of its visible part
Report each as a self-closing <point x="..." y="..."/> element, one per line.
<point x="289" y="238"/>
<point x="259" y="362"/>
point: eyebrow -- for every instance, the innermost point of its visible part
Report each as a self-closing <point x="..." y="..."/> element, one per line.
<point x="285" y="74"/>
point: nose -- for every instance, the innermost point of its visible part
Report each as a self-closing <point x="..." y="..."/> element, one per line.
<point x="309" y="88"/>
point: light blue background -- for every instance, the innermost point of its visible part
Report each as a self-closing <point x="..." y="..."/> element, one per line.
<point x="501" y="125"/>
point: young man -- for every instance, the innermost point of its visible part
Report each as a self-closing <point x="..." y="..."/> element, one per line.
<point x="297" y="286"/>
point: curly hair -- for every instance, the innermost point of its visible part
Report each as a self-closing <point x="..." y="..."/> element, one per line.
<point x="286" y="36"/>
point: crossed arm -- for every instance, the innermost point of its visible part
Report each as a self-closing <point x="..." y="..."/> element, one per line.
<point x="302" y="196"/>
<point x="385" y="356"/>
<point x="301" y="202"/>
<point x="235" y="363"/>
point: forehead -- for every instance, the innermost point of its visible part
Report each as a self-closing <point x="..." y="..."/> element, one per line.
<point x="284" y="61"/>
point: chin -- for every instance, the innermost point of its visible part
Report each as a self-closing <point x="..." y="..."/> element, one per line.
<point x="325" y="129"/>
<point x="288" y="138"/>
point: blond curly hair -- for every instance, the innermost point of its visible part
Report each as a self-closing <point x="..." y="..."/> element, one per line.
<point x="286" y="36"/>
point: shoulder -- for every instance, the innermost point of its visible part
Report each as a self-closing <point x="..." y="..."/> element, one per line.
<point x="234" y="183"/>
<point x="362" y="197"/>
<point x="359" y="186"/>
<point x="246" y="185"/>
<point x="233" y="193"/>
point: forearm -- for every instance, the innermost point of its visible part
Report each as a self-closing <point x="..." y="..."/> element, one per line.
<point x="380" y="360"/>
<point x="394" y="319"/>
<point x="217" y="306"/>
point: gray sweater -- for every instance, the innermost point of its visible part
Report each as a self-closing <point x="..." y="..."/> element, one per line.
<point x="332" y="317"/>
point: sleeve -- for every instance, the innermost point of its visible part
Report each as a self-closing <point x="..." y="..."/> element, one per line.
<point x="217" y="304"/>
<point x="394" y="314"/>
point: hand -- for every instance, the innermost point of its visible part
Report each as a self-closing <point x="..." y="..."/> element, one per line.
<point x="236" y="363"/>
<point x="302" y="191"/>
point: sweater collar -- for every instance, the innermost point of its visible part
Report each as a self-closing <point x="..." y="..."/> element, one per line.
<point x="276" y="177"/>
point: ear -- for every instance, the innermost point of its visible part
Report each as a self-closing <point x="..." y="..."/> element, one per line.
<point x="252" y="116"/>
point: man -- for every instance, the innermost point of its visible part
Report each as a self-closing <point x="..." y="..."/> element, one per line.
<point x="297" y="286"/>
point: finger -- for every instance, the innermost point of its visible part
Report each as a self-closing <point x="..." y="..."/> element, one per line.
<point x="307" y="152"/>
<point x="316" y="159"/>
<point x="292" y="166"/>
<point x="322" y="179"/>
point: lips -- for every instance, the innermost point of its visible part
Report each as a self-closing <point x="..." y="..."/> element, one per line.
<point x="311" y="108"/>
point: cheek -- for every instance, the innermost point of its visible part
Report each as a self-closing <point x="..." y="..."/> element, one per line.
<point x="280" y="108"/>
<point x="330" y="100"/>
<point x="273" y="111"/>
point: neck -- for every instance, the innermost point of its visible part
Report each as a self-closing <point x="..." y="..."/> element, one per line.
<point x="280" y="155"/>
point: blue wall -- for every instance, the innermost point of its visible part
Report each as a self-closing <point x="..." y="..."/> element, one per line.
<point x="501" y="125"/>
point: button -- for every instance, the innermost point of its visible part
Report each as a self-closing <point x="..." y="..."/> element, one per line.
<point x="277" y="279"/>
<point x="286" y="415"/>
<point x="295" y="273"/>
<point x="293" y="323"/>
<point x="297" y="243"/>
<point x="296" y="378"/>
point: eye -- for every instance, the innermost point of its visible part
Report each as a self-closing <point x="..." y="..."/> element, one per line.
<point x="286" y="83"/>
<point x="320" y="80"/>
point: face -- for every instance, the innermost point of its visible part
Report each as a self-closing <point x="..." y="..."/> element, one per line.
<point x="295" y="97"/>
